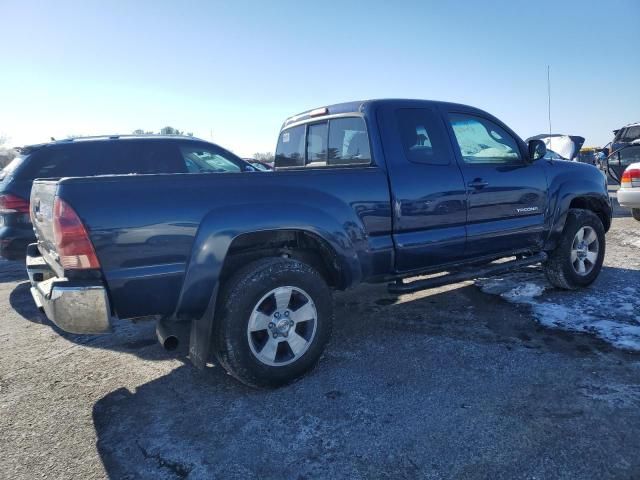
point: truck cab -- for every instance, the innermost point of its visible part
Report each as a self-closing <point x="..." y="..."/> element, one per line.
<point x="461" y="182"/>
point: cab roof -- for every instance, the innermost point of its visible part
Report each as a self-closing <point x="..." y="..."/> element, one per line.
<point x="360" y="106"/>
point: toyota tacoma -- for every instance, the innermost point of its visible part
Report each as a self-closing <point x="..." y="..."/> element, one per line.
<point x="242" y="266"/>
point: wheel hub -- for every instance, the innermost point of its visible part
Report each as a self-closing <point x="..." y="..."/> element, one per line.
<point x="281" y="324"/>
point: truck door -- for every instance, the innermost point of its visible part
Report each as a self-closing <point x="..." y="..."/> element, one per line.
<point x="507" y="194"/>
<point x="427" y="188"/>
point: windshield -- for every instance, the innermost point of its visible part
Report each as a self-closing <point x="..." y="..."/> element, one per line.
<point x="199" y="159"/>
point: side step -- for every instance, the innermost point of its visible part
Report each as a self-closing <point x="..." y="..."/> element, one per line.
<point x="489" y="270"/>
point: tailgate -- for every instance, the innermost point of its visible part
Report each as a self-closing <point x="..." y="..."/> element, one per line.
<point x="43" y="195"/>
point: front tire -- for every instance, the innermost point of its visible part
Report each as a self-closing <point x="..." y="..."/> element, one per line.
<point x="577" y="260"/>
<point x="635" y="212"/>
<point x="274" y="319"/>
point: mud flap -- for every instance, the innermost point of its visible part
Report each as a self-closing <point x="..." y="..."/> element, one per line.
<point x="201" y="333"/>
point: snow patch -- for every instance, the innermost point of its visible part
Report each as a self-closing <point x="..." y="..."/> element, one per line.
<point x="612" y="315"/>
<point x="519" y="287"/>
<point x="620" y="333"/>
<point x="630" y="239"/>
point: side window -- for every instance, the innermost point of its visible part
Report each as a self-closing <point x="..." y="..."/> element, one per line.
<point x="422" y="136"/>
<point x="317" y="143"/>
<point x="348" y="142"/>
<point x="66" y="161"/>
<point x="157" y="156"/>
<point x="117" y="158"/>
<point x="206" y="159"/>
<point x="290" y="148"/>
<point x="482" y="141"/>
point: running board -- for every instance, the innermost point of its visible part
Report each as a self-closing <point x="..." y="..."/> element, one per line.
<point x="400" y="287"/>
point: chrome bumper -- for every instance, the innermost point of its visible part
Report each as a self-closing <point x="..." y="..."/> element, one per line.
<point x="74" y="306"/>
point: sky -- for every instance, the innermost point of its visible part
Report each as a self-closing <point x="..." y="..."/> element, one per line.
<point x="232" y="71"/>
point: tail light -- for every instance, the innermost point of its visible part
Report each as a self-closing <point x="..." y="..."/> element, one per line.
<point x="72" y="241"/>
<point x="10" y="203"/>
<point x="630" y="178"/>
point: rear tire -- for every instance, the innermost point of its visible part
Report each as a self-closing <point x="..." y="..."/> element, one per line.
<point x="273" y="321"/>
<point x="635" y="212"/>
<point x="577" y="260"/>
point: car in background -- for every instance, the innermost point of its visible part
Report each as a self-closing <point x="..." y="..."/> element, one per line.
<point x="117" y="154"/>
<point x="629" y="191"/>
<point x="624" y="167"/>
<point x="560" y="146"/>
<point x="625" y="136"/>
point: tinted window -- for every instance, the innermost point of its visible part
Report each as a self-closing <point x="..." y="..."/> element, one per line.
<point x="348" y="142"/>
<point x="116" y="158"/>
<point x="203" y="159"/>
<point x="64" y="161"/>
<point x="290" y="149"/>
<point x="630" y="134"/>
<point x="158" y="157"/>
<point x="482" y="141"/>
<point x="317" y="143"/>
<point x="422" y="137"/>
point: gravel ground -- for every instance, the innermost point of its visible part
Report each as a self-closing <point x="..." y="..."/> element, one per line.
<point x="450" y="383"/>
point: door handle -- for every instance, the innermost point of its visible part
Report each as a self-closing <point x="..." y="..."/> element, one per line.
<point x="478" y="183"/>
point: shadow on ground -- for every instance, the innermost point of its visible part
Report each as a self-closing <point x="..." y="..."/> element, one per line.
<point x="451" y="384"/>
<point x="138" y="338"/>
<point x="12" y="271"/>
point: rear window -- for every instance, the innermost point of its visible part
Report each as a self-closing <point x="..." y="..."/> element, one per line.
<point x="317" y="143"/>
<point x="290" y="149"/>
<point x="339" y="141"/>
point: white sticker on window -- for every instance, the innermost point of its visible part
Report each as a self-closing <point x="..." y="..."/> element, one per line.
<point x="285" y="137"/>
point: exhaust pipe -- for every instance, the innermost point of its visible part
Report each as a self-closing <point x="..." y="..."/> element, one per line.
<point x="166" y="336"/>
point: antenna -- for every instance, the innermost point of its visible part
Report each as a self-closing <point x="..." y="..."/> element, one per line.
<point x="549" y="95"/>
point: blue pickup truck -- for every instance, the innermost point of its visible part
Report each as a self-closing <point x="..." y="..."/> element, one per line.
<point x="242" y="266"/>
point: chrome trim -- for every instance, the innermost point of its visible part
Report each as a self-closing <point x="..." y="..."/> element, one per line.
<point x="74" y="307"/>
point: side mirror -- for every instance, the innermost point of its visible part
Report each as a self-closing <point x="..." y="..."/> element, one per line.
<point x="537" y="150"/>
<point x="606" y="152"/>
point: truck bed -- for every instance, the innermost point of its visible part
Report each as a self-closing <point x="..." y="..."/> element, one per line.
<point x="148" y="229"/>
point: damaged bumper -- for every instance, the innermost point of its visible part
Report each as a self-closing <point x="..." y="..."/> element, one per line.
<point x="74" y="306"/>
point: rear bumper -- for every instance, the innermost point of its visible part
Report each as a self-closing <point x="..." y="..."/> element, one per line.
<point x="74" y="306"/>
<point x="629" y="197"/>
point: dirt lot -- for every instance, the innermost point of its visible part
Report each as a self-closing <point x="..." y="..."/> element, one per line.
<point x="452" y="383"/>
